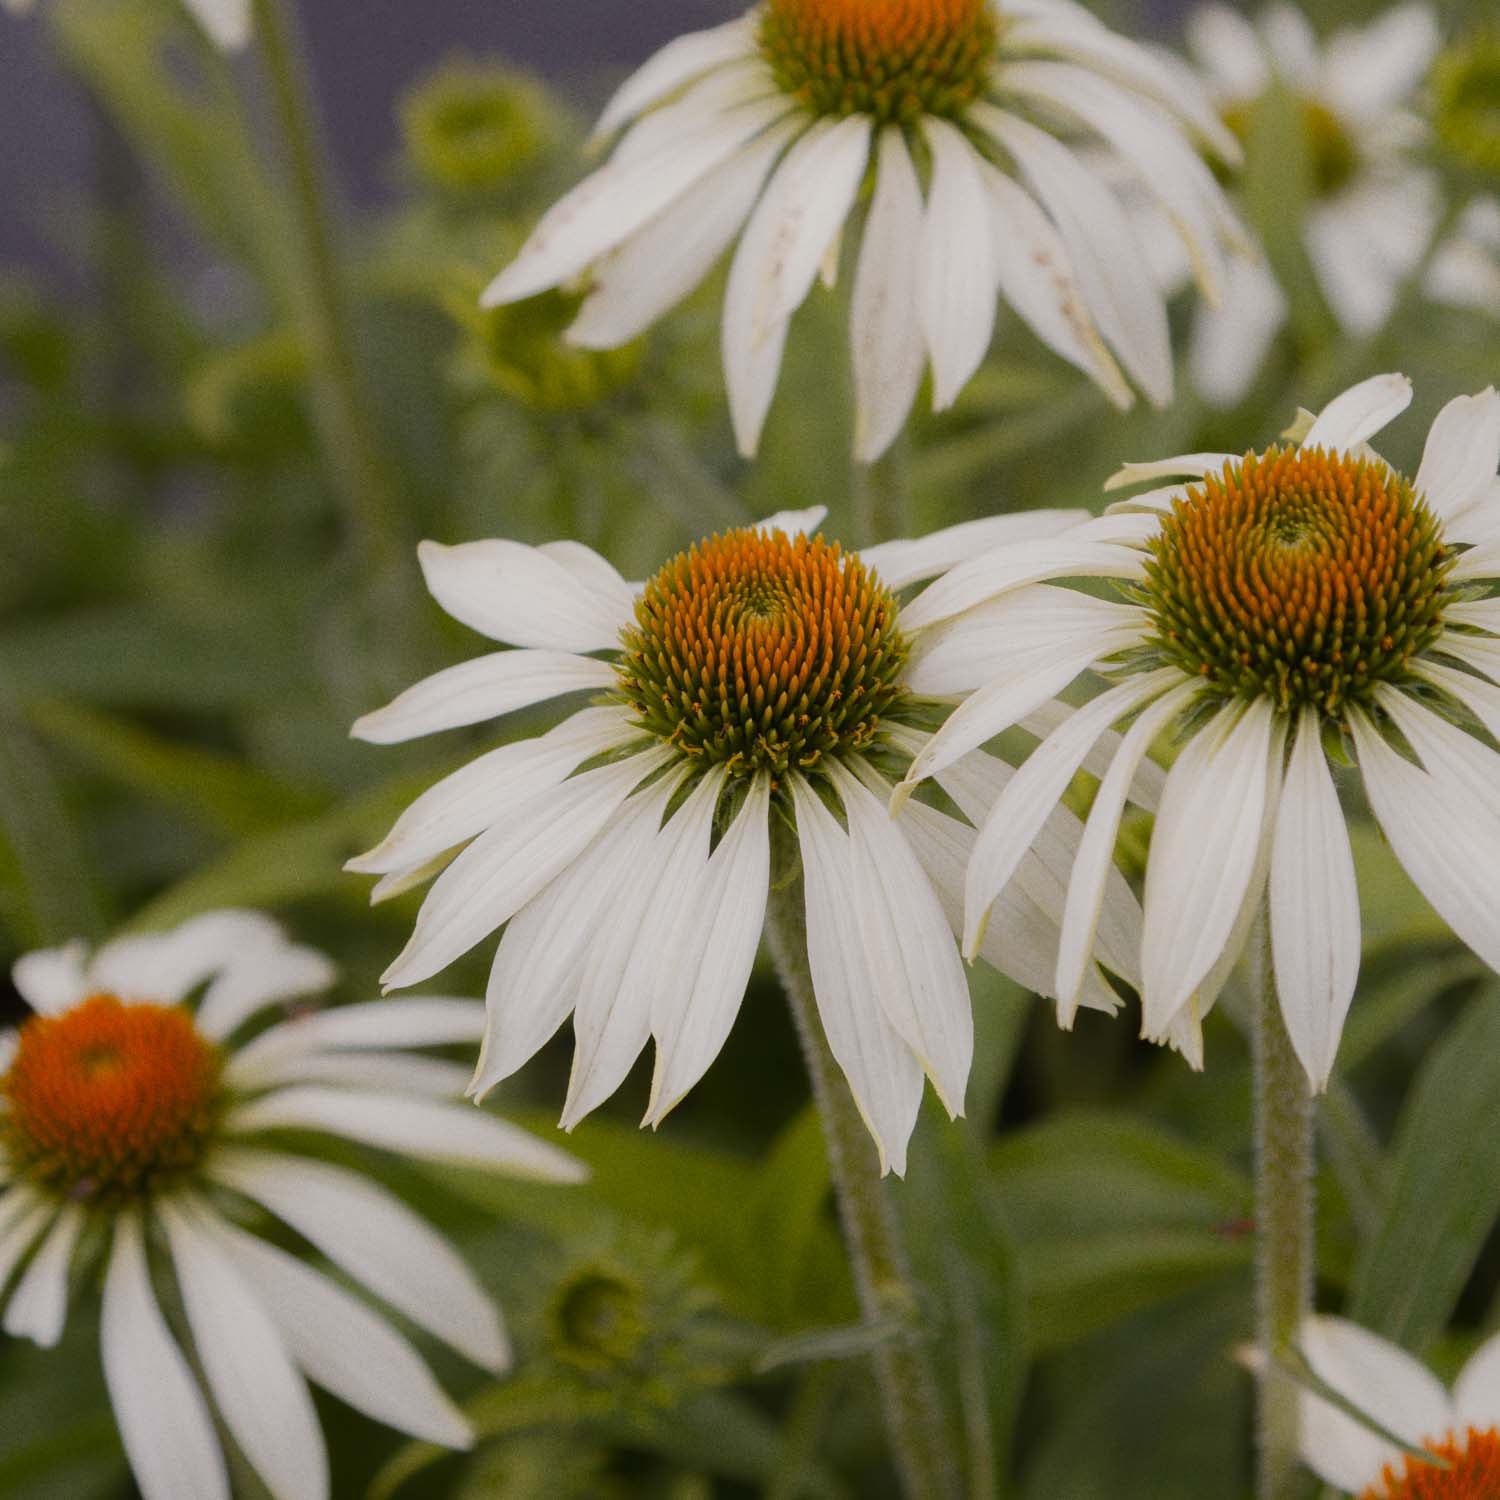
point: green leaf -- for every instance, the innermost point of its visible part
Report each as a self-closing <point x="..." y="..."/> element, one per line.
<point x="1445" y="1192"/>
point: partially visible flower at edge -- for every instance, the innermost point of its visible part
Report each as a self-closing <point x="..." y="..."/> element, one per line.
<point x="1277" y="611"/>
<point x="227" y="22"/>
<point x="763" y="680"/>
<point x="130" y="1116"/>
<point x="772" y="123"/>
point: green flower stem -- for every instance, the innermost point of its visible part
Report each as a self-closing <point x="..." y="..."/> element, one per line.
<point x="1284" y="1223"/>
<point x="872" y="1235"/>
<point x="345" y="411"/>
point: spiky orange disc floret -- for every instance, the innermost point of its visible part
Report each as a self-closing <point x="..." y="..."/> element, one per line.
<point x="1300" y="575"/>
<point x="1474" y="1475"/>
<point x="764" y="652"/>
<point x="108" y="1099"/>
<point x="895" y="59"/>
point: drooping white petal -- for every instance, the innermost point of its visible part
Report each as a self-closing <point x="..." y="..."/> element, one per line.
<point x="1315" y="931"/>
<point x="1226" y="47"/>
<point x="1370" y="69"/>
<point x="24" y="1214"/>
<point x="958" y="275"/>
<point x="1382" y="1381"/>
<point x="1150" y="778"/>
<point x="263" y="1400"/>
<point x="1482" y="561"/>
<point x="510" y="863"/>
<point x="39" y="1304"/>
<point x="806" y="201"/>
<point x="52" y="979"/>
<point x="1480" y="696"/>
<point x="903" y="563"/>
<point x="1204" y="851"/>
<point x="227" y="22"/>
<point x="393" y="1072"/>
<point x="1456" y="759"/>
<point x="166" y="967"/>
<point x="1182" y="466"/>
<point x="524" y="597"/>
<point x="163" y="1420"/>
<point x="1359" y="413"/>
<point x="1462" y="454"/>
<point x="378" y="1241"/>
<point x="285" y="972"/>
<point x="793" y="522"/>
<point x="677" y="64"/>
<point x="1230" y="342"/>
<point x="343" y="1346"/>
<point x="885" y="325"/>
<point x="1476" y="1394"/>
<point x="883" y="1074"/>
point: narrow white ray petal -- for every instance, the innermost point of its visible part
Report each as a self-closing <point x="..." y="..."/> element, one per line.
<point x="39" y="1305"/>
<point x="1204" y="852"/>
<point x="883" y="1075"/>
<point x="1226" y="47"/>
<point x="52" y="979"/>
<point x="509" y="864"/>
<point x="396" y="1072"/>
<point x="920" y="978"/>
<point x="1482" y="614"/>
<point x="1450" y="847"/>
<point x="227" y="22"/>
<point x="1454" y="757"/>
<point x="903" y="563"/>
<point x="1035" y="273"/>
<point x="718" y="957"/>
<point x="24" y="1214"/>
<point x="1476" y="1395"/>
<point x="1229" y="343"/>
<point x="1112" y="272"/>
<point x="1479" y="696"/>
<point x="1369" y="70"/>
<point x="677" y="64"/>
<point x="1145" y="791"/>
<point x="492" y="787"/>
<point x="1096" y="852"/>
<point x="626" y="193"/>
<point x="342" y="1345"/>
<point x="378" y="1241"/>
<point x="958" y="274"/>
<point x="524" y="597"/>
<point x="1482" y="561"/>
<point x="804" y="204"/>
<point x="1016" y="819"/>
<point x="388" y="887"/>
<point x="429" y="1129"/>
<point x="1462" y="454"/>
<point x="1382" y="1381"/>
<point x="1183" y="465"/>
<point x="264" y="1401"/>
<point x="793" y="522"/>
<point x="885" y="326"/>
<point x="662" y="263"/>
<point x="1359" y="413"/>
<point x="485" y="688"/>
<point x="166" y="967"/>
<point x="163" y="1420"/>
<point x="702" y="106"/>
<point x="1315" y="931"/>
<point x="285" y="972"/>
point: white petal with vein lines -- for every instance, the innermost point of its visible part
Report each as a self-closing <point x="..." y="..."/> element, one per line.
<point x="678" y="63"/>
<point x="1461" y="456"/>
<point x="39" y="1304"/>
<point x="1359" y="413"/>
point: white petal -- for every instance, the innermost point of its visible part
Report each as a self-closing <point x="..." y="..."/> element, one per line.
<point x="1462" y="454"/>
<point x="40" y="1303"/>
<point x="1118" y="285"/>
<point x="1150" y="778"/>
<point x="378" y="1241"/>
<point x="629" y="191"/>
<point x="24" y="1214"/>
<point x="164" y="1422"/>
<point x="343" y="1346"/>
<point x="428" y="1129"/>
<point x="1482" y="561"/>
<point x="802" y="209"/>
<point x="1230" y="342"/>
<point x="1184" y="465"/>
<point x="1095" y="862"/>
<point x="1455" y="758"/>
<point x="493" y="787"/>
<point x="393" y="1072"/>
<point x="263" y="1400"/>
<point x="677" y="64"/>
<point x="1477" y="1392"/>
<point x="1315" y="929"/>
<point x="481" y="689"/>
<point x="227" y="22"/>
<point x="1385" y="1383"/>
<point x="52" y="979"/>
<point x="885" y="327"/>
<point x="793" y="522"/>
<point x="1228" y="49"/>
<point x="1371" y="69"/>
<point x="1358" y="414"/>
<point x="656" y="268"/>
<point x="958" y="274"/>
<point x="1479" y="696"/>
<point x="903" y="563"/>
<point x="280" y="973"/>
<point x="166" y="967"/>
<point x="1204" y="852"/>
<point x="524" y="597"/>
<point x="510" y="863"/>
<point x="1292" y="43"/>
<point x="883" y="1075"/>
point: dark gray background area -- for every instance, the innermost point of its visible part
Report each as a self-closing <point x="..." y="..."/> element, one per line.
<point x="364" y="54"/>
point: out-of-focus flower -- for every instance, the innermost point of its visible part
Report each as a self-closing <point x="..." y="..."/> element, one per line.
<point x="131" y="1116"/>
<point x="1401" y="1395"/>
<point x="961" y="114"/>
<point x="1277" y="609"/>
<point x="1466" y="271"/>
<point x="227" y="22"/>
<point x="763" y="680"/>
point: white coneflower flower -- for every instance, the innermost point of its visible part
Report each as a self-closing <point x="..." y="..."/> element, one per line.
<point x="1279" y="610"/>
<point x="132" y="1117"/>
<point x="961" y="115"/>
<point x="1401" y="1395"/>
<point x="1373" y="205"/>
<point x="227" y="22"/>
<point x="761" y="678"/>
